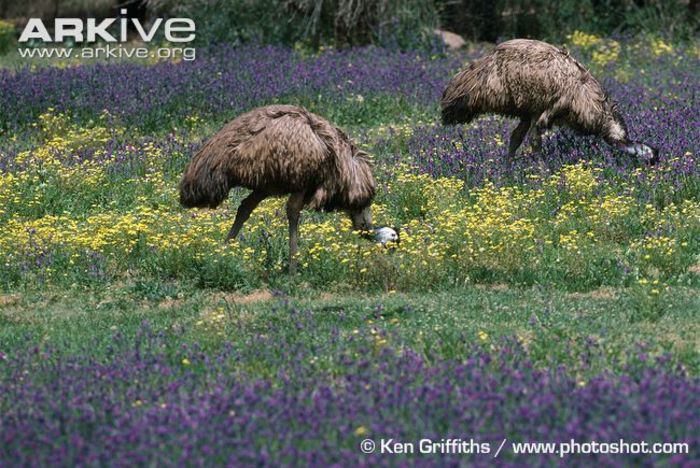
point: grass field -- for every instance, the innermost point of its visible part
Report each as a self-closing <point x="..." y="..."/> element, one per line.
<point x="536" y="299"/>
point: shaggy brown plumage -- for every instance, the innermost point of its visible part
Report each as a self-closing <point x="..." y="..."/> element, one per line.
<point x="277" y="150"/>
<point x="541" y="85"/>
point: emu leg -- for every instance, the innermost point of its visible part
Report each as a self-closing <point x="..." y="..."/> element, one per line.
<point x="516" y="138"/>
<point x="244" y="210"/>
<point x="294" y="206"/>
<point x="535" y="137"/>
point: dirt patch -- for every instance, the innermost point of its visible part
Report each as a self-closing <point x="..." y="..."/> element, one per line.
<point x="260" y="295"/>
<point x="681" y="339"/>
<point x="170" y="303"/>
<point x="9" y="299"/>
<point x="230" y="308"/>
<point x="494" y="287"/>
<point x="326" y="296"/>
<point x="602" y="293"/>
<point x="695" y="269"/>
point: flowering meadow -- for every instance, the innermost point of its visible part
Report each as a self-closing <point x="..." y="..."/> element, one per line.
<point x="543" y="298"/>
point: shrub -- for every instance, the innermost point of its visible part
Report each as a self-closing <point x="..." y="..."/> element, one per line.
<point x="499" y="19"/>
<point x="7" y="36"/>
<point x="403" y="24"/>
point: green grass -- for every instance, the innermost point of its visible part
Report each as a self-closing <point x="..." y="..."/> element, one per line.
<point x="556" y="328"/>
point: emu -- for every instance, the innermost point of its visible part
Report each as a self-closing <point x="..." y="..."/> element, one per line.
<point x="543" y="86"/>
<point x="278" y="150"/>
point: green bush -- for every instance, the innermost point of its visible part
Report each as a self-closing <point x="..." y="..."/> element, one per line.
<point x="7" y="36"/>
<point x="500" y="19"/>
<point x="234" y="21"/>
<point x="404" y="24"/>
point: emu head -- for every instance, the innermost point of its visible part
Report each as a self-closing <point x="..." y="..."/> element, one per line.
<point x="387" y="236"/>
<point x="615" y="133"/>
<point x="642" y="151"/>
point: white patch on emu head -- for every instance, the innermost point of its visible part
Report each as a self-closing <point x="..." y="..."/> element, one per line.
<point x="640" y="150"/>
<point x="384" y="235"/>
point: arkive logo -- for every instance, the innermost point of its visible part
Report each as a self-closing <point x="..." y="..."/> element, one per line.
<point x="176" y="30"/>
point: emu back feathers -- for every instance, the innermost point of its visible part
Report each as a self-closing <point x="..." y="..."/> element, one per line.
<point x="280" y="149"/>
<point x="528" y="79"/>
